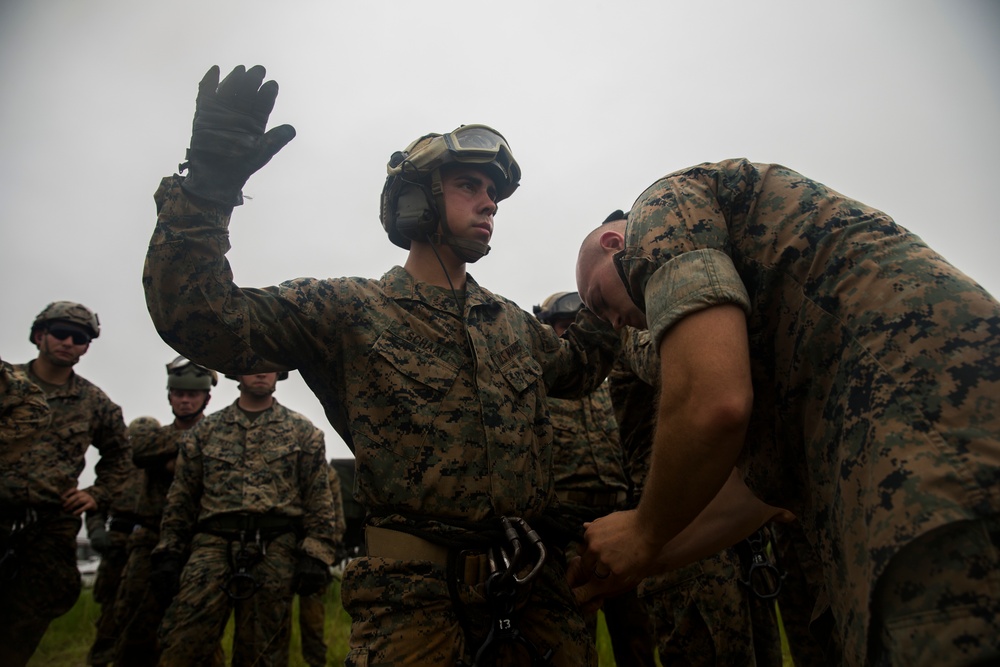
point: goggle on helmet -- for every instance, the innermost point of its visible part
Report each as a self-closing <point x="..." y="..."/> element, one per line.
<point x="421" y="162"/>
<point x="183" y="373"/>
<point x="559" y="306"/>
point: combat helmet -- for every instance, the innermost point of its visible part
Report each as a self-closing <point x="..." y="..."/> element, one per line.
<point x="559" y="306"/>
<point x="412" y="201"/>
<point x="67" y="311"/>
<point x="142" y="426"/>
<point x="183" y="373"/>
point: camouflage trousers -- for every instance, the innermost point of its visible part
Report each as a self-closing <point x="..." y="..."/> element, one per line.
<point x="194" y="622"/>
<point x="109" y="576"/>
<point x="46" y="584"/>
<point x="703" y="616"/>
<point x="138" y="613"/>
<point x="402" y="614"/>
<point x="312" y="626"/>
<point x="938" y="601"/>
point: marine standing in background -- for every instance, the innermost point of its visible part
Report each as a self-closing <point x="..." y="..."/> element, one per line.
<point x="40" y="502"/>
<point x="437" y="384"/>
<point x="312" y="608"/>
<point x="251" y="503"/>
<point x="590" y="481"/>
<point x="138" y="610"/>
<point x="109" y="534"/>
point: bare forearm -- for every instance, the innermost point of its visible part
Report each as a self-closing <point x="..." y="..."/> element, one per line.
<point x="706" y="397"/>
<point x="732" y="515"/>
<point x="687" y="469"/>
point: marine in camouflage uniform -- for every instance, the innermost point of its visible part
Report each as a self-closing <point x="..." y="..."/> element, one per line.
<point x="590" y="481"/>
<point x="251" y="501"/>
<point x="437" y="384"/>
<point x="875" y="374"/>
<point x="23" y="411"/>
<point x="312" y="608"/>
<point x="109" y="534"/>
<point x="40" y="504"/>
<point x="138" y="611"/>
<point x="701" y="613"/>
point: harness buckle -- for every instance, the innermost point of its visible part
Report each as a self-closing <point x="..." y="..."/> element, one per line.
<point x="240" y="584"/>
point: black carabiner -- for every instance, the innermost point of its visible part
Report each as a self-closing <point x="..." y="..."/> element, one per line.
<point x="240" y="584"/>
<point x="764" y="577"/>
<point x="533" y="539"/>
<point x="501" y="596"/>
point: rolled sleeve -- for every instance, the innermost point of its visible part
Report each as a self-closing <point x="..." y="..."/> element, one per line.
<point x="690" y="282"/>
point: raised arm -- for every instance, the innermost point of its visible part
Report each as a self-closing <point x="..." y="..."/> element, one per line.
<point x="192" y="299"/>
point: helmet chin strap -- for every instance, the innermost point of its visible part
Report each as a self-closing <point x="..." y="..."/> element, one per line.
<point x="184" y="419"/>
<point x="194" y="416"/>
<point x="468" y="251"/>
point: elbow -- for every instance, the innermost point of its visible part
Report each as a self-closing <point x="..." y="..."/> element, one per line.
<point x="722" y="417"/>
<point x="732" y="415"/>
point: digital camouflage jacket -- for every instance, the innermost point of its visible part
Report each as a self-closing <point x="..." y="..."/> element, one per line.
<point x="23" y="411"/>
<point x="443" y="406"/>
<point x="151" y="452"/>
<point x="875" y="363"/>
<point x="274" y="465"/>
<point x="587" y="457"/>
<point x="82" y="416"/>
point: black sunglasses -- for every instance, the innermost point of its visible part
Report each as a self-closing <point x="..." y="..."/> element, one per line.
<point x="79" y="337"/>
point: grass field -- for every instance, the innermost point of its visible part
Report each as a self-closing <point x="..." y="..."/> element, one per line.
<point x="69" y="637"/>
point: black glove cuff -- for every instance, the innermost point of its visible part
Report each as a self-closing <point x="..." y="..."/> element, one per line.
<point x="212" y="180"/>
<point x="311" y="575"/>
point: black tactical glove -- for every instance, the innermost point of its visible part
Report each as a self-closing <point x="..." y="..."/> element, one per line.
<point x="100" y="540"/>
<point x="228" y="142"/>
<point x="165" y="576"/>
<point x="311" y="575"/>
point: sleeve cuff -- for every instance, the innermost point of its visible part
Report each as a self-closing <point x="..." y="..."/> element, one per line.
<point x="691" y="282"/>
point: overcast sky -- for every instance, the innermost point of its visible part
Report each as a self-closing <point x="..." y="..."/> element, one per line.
<point x="893" y="103"/>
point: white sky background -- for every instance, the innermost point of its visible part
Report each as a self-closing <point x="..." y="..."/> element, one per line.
<point x="893" y="103"/>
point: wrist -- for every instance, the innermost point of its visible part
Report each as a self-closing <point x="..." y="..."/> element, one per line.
<point x="212" y="190"/>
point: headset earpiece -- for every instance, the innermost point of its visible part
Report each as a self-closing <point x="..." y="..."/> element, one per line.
<point x="416" y="213"/>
